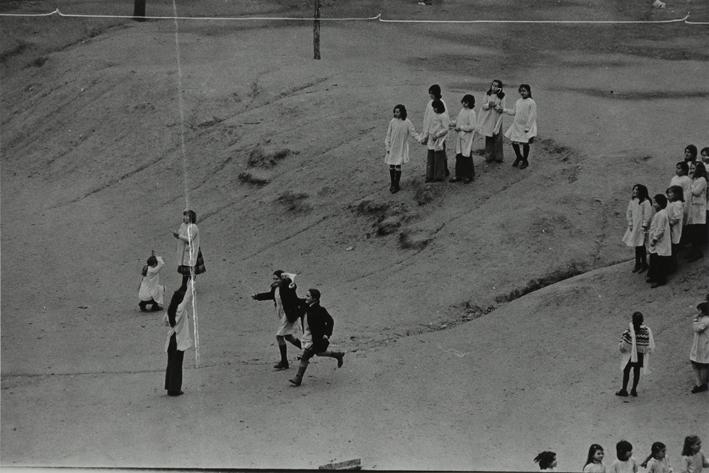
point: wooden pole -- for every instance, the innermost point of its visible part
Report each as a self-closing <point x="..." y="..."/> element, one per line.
<point x="316" y="30"/>
<point x="139" y="10"/>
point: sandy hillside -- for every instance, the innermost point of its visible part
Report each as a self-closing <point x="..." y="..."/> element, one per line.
<point x="480" y="321"/>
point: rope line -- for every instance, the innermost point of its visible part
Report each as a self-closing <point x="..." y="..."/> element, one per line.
<point x="183" y="151"/>
<point x="378" y="17"/>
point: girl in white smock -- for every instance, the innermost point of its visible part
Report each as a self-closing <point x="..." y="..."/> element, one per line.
<point x="490" y="121"/>
<point x="524" y="126"/>
<point x="465" y="126"/>
<point x="151" y="291"/>
<point x="400" y="130"/>
<point x="638" y="215"/>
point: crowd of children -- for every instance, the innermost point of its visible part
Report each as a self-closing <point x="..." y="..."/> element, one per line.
<point x="669" y="222"/>
<point x="437" y="126"/>
<point x="692" y="459"/>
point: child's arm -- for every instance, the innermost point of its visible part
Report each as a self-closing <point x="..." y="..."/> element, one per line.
<point x="532" y="116"/>
<point x="412" y="130"/>
<point x="387" y="140"/>
<point x="444" y="128"/>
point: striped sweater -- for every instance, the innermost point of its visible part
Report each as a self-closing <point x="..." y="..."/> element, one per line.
<point x="642" y="339"/>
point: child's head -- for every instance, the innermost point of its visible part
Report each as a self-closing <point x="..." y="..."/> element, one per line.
<point x="692" y="168"/>
<point x="682" y="168"/>
<point x="624" y="449"/>
<point x="705" y="155"/>
<point x="703" y="308"/>
<point x="675" y="193"/>
<point x="595" y="454"/>
<point x="690" y="153"/>
<point x="660" y="201"/>
<point x="152" y="261"/>
<point x="435" y="92"/>
<point x="400" y="112"/>
<point x="692" y="445"/>
<point x="468" y="101"/>
<point x="189" y="216"/>
<point x="546" y="460"/>
<point x="312" y="295"/>
<point x="496" y="86"/>
<point x="637" y="320"/>
<point x="525" y="91"/>
<point x="438" y="106"/>
<point x="658" y="450"/>
<point x="640" y="192"/>
<point x="699" y="170"/>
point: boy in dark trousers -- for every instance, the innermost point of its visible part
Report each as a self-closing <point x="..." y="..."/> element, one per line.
<point x="317" y="330"/>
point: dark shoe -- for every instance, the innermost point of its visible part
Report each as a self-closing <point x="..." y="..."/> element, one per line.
<point x="636" y="268"/>
<point x="175" y="393"/>
<point x="281" y="366"/>
<point x="467" y="180"/>
<point x="622" y="393"/>
<point x="643" y="268"/>
<point x="428" y="179"/>
<point x="656" y="284"/>
<point x="340" y="360"/>
<point x="516" y="163"/>
<point x="523" y="165"/>
<point x="156" y="308"/>
<point x="633" y="393"/>
<point x="142" y="307"/>
<point x="700" y="389"/>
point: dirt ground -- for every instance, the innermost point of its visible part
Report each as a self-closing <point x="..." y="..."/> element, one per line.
<point x="480" y="322"/>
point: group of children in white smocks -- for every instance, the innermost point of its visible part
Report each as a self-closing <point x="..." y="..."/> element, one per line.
<point x="437" y="125"/>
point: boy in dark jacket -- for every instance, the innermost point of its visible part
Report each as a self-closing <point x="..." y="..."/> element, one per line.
<point x="317" y="330"/>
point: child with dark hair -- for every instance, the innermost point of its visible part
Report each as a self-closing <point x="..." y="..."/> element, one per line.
<point x="690" y="153"/>
<point x="638" y="216"/>
<point x="524" y="126"/>
<point x="675" y="214"/>
<point x="150" y="292"/>
<point x="699" y="352"/>
<point x="546" y="460"/>
<point x="705" y="155"/>
<point x="465" y="125"/>
<point x="594" y="460"/>
<point x="697" y="210"/>
<point x="659" y="243"/>
<point x="189" y="254"/>
<point x="693" y="460"/>
<point x="179" y="338"/>
<point x="396" y="143"/>
<point x="285" y="301"/>
<point x="435" y="138"/>
<point x="624" y="462"/>
<point x="636" y="344"/>
<point x="657" y="461"/>
<point x="490" y="121"/>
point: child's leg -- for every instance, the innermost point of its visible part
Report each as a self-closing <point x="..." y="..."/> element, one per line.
<point x="293" y="340"/>
<point x="636" y="379"/>
<point x="397" y="178"/>
<point x="643" y="258"/>
<point x="525" y="156"/>
<point x="429" y="166"/>
<point x="518" y="155"/>
<point x="338" y="355"/>
<point x="283" y="364"/>
<point x="392" y="178"/>
<point x="498" y="148"/>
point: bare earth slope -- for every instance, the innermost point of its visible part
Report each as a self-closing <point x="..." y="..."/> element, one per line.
<point x="454" y="352"/>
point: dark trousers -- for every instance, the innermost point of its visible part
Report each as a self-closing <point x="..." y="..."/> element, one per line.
<point x="464" y="167"/>
<point x="636" y="372"/>
<point x="659" y="268"/>
<point x="173" y="372"/>
<point x="436" y="165"/>
<point x="640" y="256"/>
<point x="493" y="148"/>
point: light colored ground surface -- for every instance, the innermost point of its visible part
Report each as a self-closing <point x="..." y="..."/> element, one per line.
<point x="93" y="178"/>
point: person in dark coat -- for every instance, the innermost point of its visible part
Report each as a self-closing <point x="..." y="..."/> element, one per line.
<point x="317" y="330"/>
<point x="286" y="302"/>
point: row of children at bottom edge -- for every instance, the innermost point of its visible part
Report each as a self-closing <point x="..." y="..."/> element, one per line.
<point x="662" y="225"/>
<point x="692" y="460"/>
<point x="437" y="124"/>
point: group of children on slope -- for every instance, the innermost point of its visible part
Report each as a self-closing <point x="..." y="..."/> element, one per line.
<point x="661" y="226"/>
<point x="437" y="125"/>
<point x="693" y="460"/>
